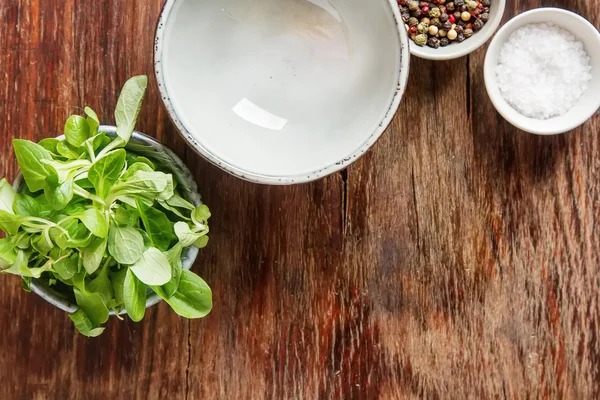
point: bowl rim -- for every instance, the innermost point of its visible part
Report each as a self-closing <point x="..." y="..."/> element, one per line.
<point x="505" y="109"/>
<point x="403" y="73"/>
<point x="189" y="255"/>
<point x="466" y="47"/>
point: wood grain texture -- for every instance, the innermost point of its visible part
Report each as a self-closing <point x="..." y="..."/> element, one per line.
<point x="458" y="259"/>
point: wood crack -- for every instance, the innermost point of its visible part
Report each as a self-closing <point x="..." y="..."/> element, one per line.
<point x="344" y="176"/>
<point x="189" y="360"/>
<point x="414" y="190"/>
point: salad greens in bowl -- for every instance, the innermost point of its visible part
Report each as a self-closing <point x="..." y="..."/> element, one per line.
<point x="105" y="221"/>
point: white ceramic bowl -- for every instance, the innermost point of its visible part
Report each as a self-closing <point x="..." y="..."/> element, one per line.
<point x="281" y="91"/>
<point x="456" y="50"/>
<point x="589" y="102"/>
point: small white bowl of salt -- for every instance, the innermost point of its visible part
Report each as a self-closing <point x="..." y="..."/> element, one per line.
<point x="542" y="71"/>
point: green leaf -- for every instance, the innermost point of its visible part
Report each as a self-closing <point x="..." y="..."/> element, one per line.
<point x="93" y="254"/>
<point x="157" y="226"/>
<point x="201" y="215"/>
<point x="152" y="268"/>
<point x="29" y="156"/>
<point x="144" y="160"/>
<point x="7" y="196"/>
<point x="127" y="217"/>
<point x="202" y="242"/>
<point x="41" y="244"/>
<point x="174" y="257"/>
<point x="60" y="195"/>
<point x="178" y="201"/>
<point x="95" y="221"/>
<point x="21" y="267"/>
<point x="92" y="305"/>
<point x="133" y="168"/>
<point x="134" y="296"/>
<point x="118" y="281"/>
<point x="129" y="105"/>
<point x="50" y="144"/>
<point x="102" y="285"/>
<point x="125" y="244"/>
<point x="193" y="298"/>
<point x="92" y="120"/>
<point x="26" y="205"/>
<point x="67" y="151"/>
<point x="84" y="325"/>
<point x="185" y="235"/>
<point x="66" y="268"/>
<point x="10" y="223"/>
<point x="145" y="185"/>
<point x="77" y="130"/>
<point x="105" y="171"/>
<point x="26" y="283"/>
<point x="66" y="169"/>
<point x="8" y="255"/>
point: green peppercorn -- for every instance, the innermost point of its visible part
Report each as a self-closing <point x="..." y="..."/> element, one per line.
<point x="433" y="42"/>
<point x="421" y="28"/>
<point x="413" y="5"/>
<point x="435" y="12"/>
<point x="412" y="21"/>
<point x="421" y="39"/>
<point x="472" y="5"/>
<point x="468" y="33"/>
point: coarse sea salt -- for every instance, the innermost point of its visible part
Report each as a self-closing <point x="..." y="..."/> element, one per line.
<point x="543" y="70"/>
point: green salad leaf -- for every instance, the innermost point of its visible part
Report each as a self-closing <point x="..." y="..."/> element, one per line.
<point x="102" y="221"/>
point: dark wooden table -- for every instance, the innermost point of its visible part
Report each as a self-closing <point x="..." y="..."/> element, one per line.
<point x="458" y="259"/>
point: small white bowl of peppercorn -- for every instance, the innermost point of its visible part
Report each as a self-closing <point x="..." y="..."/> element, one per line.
<point x="444" y="29"/>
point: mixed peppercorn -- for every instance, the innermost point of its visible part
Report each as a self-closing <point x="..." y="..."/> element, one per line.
<point x="438" y="23"/>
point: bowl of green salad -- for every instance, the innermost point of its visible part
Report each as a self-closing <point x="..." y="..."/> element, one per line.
<point x="105" y="220"/>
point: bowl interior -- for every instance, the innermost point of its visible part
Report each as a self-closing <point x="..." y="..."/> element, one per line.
<point x="279" y="88"/>
<point x="589" y="102"/>
<point x="456" y="50"/>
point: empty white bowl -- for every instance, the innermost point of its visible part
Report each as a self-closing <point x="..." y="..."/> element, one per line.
<point x="456" y="50"/>
<point x="281" y="91"/>
<point x="589" y="102"/>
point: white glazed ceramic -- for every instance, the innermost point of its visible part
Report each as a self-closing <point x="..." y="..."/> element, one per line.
<point x="589" y="102"/>
<point x="456" y="50"/>
<point x="161" y="155"/>
<point x="281" y="91"/>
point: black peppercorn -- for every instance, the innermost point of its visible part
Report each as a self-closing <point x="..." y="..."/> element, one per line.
<point x="405" y="17"/>
<point x="457" y="15"/>
<point x="478" y="24"/>
<point x="484" y="17"/>
<point x="461" y="37"/>
<point x="417" y="13"/>
<point x="444" y="42"/>
<point x="459" y="29"/>
<point x="486" y="3"/>
<point x="450" y="6"/>
<point x="443" y="18"/>
<point x="468" y="33"/>
<point x="461" y="23"/>
<point x="436" y="22"/>
<point x="412" y="21"/>
<point x="433" y="42"/>
<point x="459" y="3"/>
<point x="485" y="10"/>
<point x="447" y="26"/>
<point x="462" y="8"/>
